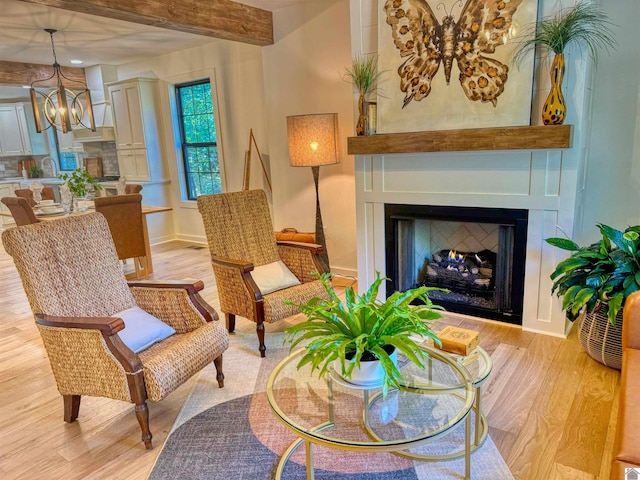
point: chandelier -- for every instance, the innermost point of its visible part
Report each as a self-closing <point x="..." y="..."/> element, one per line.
<point x="62" y="108"/>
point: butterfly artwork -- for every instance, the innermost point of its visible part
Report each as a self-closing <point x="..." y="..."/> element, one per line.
<point x="470" y="38"/>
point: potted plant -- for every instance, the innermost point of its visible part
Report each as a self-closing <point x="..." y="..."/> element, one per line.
<point x="364" y="329"/>
<point x="583" y="24"/>
<point x="597" y="279"/>
<point x="80" y="182"/>
<point x="363" y="75"/>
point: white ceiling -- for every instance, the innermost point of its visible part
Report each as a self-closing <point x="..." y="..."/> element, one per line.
<point x="94" y="40"/>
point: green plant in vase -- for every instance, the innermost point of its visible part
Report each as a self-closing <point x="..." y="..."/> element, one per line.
<point x="596" y="280"/>
<point x="80" y="183"/>
<point x="364" y="76"/>
<point x="364" y="328"/>
<point x="584" y="24"/>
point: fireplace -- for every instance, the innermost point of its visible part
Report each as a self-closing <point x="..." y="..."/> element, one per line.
<point x="476" y="254"/>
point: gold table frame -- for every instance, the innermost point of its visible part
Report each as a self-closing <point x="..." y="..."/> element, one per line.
<point x="310" y="436"/>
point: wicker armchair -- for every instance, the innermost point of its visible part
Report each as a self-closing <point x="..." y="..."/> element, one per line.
<point x="240" y="236"/>
<point x="74" y="284"/>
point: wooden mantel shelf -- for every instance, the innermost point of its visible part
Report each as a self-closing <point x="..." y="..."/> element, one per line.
<point x="501" y="138"/>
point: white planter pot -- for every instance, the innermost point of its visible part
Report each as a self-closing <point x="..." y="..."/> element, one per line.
<point x="370" y="372"/>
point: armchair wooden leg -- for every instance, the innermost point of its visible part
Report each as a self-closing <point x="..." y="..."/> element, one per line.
<point x="71" y="407"/>
<point x="231" y="322"/>
<point x="142" y="414"/>
<point x="260" y="331"/>
<point x="219" y="375"/>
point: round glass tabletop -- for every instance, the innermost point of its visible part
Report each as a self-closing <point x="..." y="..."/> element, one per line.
<point x="333" y="413"/>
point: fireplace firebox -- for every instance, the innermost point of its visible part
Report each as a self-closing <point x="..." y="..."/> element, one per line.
<point x="476" y="254"/>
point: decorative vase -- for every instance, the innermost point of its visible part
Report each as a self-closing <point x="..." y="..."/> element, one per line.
<point x="80" y="204"/>
<point x="361" y="125"/>
<point x="370" y="372"/>
<point x="555" y="109"/>
<point x="601" y="340"/>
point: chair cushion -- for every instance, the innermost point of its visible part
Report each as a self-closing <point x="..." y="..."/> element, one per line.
<point x="142" y="330"/>
<point x="273" y="276"/>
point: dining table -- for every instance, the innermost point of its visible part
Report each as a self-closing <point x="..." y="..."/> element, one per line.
<point x="146" y="210"/>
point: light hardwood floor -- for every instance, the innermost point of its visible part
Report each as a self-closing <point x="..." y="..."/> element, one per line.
<point x="550" y="407"/>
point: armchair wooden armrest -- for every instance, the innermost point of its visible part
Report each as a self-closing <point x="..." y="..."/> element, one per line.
<point x="245" y="268"/>
<point x="108" y="326"/>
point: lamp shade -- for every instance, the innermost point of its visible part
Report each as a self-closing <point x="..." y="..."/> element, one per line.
<point x="313" y="139"/>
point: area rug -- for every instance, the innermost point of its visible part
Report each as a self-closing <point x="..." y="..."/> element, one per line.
<point x="231" y="433"/>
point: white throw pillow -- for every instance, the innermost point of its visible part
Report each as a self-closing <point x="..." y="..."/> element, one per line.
<point x="141" y="330"/>
<point x="273" y="276"/>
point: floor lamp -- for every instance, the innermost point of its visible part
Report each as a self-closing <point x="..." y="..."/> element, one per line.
<point x="313" y="141"/>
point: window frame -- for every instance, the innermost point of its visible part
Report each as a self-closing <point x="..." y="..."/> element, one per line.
<point x="183" y="145"/>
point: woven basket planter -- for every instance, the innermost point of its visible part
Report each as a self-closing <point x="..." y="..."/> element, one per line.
<point x="602" y="340"/>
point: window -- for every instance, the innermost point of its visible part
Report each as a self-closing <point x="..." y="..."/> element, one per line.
<point x="198" y="138"/>
<point x="68" y="161"/>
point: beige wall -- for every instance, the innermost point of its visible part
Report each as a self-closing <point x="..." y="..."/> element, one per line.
<point x="257" y="88"/>
<point x="236" y="71"/>
<point x="302" y="74"/>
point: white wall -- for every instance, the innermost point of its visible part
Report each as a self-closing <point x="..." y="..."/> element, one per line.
<point x="302" y="75"/>
<point x="612" y="191"/>
<point x="235" y="71"/>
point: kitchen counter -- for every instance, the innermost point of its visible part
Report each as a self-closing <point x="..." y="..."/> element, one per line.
<point x="28" y="181"/>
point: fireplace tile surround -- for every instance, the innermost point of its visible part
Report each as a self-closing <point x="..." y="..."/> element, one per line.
<point x="542" y="181"/>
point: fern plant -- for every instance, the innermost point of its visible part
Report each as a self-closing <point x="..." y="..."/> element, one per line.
<point x="364" y="325"/>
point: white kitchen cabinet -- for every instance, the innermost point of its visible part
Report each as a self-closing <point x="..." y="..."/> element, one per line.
<point x="7" y="190"/>
<point x="14" y="134"/>
<point x="136" y="118"/>
<point x="134" y="164"/>
<point x="66" y="143"/>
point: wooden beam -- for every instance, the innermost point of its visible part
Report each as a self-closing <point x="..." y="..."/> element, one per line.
<point x="15" y="73"/>
<point x="473" y="139"/>
<point x="212" y="18"/>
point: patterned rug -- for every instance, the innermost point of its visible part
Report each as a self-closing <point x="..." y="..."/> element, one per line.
<point x="232" y="434"/>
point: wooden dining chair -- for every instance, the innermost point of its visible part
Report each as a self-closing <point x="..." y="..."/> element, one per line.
<point x="124" y="217"/>
<point x="130" y="188"/>
<point x="20" y="210"/>
<point x="47" y="194"/>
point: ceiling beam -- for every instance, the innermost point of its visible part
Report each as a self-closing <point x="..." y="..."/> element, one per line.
<point x="213" y="18"/>
<point x="15" y="73"/>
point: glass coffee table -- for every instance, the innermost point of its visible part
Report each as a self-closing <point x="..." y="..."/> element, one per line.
<point x="334" y="413"/>
<point x="478" y="365"/>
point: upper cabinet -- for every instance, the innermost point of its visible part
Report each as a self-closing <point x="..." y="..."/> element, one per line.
<point x="66" y="142"/>
<point x="136" y="118"/>
<point x="14" y="134"/>
<point x="18" y="135"/>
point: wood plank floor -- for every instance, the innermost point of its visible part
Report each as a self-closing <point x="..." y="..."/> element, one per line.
<point x="551" y="409"/>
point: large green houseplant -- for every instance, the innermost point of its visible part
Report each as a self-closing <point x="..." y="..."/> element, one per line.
<point x="362" y="327"/>
<point x="596" y="279"/>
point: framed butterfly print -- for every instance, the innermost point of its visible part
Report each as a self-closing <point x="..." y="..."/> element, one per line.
<point x="448" y="64"/>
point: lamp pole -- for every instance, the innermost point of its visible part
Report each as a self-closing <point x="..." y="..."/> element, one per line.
<point x="320" y="240"/>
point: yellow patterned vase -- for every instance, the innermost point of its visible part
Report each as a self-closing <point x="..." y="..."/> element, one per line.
<point x="555" y="109"/>
<point x="360" y="126"/>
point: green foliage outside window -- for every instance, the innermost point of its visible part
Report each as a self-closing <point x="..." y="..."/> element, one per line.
<point x="199" y="142"/>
